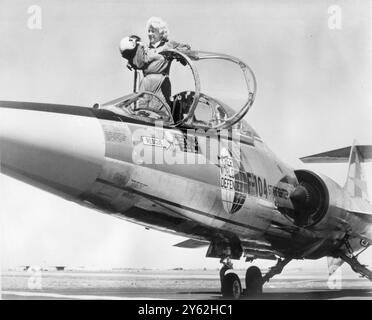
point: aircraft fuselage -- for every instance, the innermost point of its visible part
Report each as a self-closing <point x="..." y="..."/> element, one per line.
<point x="201" y="184"/>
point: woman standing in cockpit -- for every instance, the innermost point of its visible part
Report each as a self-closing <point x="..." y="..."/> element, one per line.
<point x="155" y="67"/>
<point x="158" y="31"/>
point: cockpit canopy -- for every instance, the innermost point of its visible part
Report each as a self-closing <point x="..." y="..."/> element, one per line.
<point x="191" y="108"/>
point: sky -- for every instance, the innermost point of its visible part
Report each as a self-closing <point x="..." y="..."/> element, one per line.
<point x="313" y="75"/>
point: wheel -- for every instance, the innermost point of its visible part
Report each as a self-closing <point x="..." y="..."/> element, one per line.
<point x="231" y="286"/>
<point x="253" y="281"/>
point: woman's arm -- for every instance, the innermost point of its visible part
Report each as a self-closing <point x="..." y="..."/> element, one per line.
<point x="178" y="45"/>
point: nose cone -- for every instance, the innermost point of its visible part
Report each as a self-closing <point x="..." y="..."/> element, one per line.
<point x="57" y="148"/>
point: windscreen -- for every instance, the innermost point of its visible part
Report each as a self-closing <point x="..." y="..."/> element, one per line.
<point x="219" y="79"/>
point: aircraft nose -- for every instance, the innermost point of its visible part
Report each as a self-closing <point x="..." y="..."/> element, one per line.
<point x="49" y="148"/>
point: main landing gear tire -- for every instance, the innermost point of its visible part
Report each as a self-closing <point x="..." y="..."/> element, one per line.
<point x="253" y="282"/>
<point x="231" y="286"/>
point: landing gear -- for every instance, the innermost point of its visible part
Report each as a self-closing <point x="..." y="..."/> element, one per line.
<point x="253" y="281"/>
<point x="230" y="284"/>
<point x="357" y="266"/>
<point x="227" y="265"/>
<point x="231" y="287"/>
<point x="352" y="260"/>
<point x="277" y="269"/>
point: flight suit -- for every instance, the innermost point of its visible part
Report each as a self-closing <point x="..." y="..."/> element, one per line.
<point x="158" y="48"/>
<point x="155" y="68"/>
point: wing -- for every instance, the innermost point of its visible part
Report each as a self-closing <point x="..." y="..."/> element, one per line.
<point x="339" y="155"/>
<point x="252" y="249"/>
<point x="192" y="244"/>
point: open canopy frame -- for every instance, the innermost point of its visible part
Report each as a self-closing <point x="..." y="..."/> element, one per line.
<point x="188" y="58"/>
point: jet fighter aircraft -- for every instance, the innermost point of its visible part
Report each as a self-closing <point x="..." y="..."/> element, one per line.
<point x="193" y="167"/>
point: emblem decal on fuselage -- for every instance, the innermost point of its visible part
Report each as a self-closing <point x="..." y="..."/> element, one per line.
<point x="232" y="182"/>
<point x="170" y="140"/>
<point x="156" y="142"/>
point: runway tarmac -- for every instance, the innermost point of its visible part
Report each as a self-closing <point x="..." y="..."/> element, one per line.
<point x="172" y="284"/>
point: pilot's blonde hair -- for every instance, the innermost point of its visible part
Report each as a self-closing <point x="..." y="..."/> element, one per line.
<point x="160" y="25"/>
